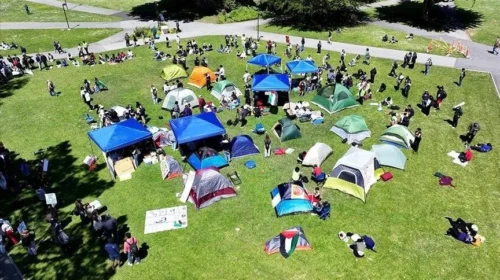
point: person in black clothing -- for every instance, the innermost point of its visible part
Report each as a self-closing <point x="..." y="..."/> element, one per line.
<point x="208" y="82"/>
<point x="463" y="226"/>
<point x="413" y="60"/>
<point x="247" y="95"/>
<point x="373" y="73"/>
<point x="405" y="120"/>
<point x="319" y="47"/>
<point x="167" y="43"/>
<point x="409" y="111"/>
<point x="418" y="137"/>
<point x="127" y="40"/>
<point x="110" y="228"/>
<point x="196" y="61"/>
<point x="338" y="77"/>
<point x="43" y="59"/>
<point x="179" y="84"/>
<point x="440" y="96"/>
<point x="406" y="60"/>
<point x="393" y="69"/>
<point x="177" y="26"/>
<point x="407" y="86"/>
<point x="456" y="115"/>
<point x="472" y="130"/>
<point x="461" y="78"/>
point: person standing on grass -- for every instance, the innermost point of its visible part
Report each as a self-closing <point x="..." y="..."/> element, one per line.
<point x="134" y="38"/>
<point x="208" y="82"/>
<point x="342" y="55"/>
<point x="418" y="137"/>
<point x="373" y="73"/>
<point x="201" y="103"/>
<point x="367" y="57"/>
<point x="154" y="94"/>
<point x="51" y="88"/>
<point x="393" y="69"/>
<point x="86" y="98"/>
<point x="329" y="37"/>
<point x="113" y="253"/>
<point x="177" y="26"/>
<point x="456" y="116"/>
<point x="461" y="77"/>
<point x="302" y="44"/>
<point x="167" y="42"/>
<point x="131" y="248"/>
<point x="496" y="46"/>
<point x="27" y="9"/>
<point x="319" y="47"/>
<point x="267" y="146"/>
<point x="428" y="64"/>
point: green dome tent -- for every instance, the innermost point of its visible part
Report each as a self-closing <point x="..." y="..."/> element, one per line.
<point x="398" y="136"/>
<point x="224" y="88"/>
<point x="334" y="98"/>
<point x="285" y="129"/>
<point x="172" y="72"/>
<point x="353" y="128"/>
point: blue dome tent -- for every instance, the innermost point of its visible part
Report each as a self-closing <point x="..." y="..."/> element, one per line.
<point x="290" y="198"/>
<point x="242" y="145"/>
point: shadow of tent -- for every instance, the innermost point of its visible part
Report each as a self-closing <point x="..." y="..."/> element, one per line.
<point x="441" y="18"/>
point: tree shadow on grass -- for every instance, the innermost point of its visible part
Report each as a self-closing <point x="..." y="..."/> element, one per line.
<point x="341" y="19"/>
<point x="8" y="88"/>
<point x="181" y="10"/>
<point x="441" y="18"/>
<point x="69" y="180"/>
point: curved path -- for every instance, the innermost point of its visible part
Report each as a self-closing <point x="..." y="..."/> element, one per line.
<point x="481" y="59"/>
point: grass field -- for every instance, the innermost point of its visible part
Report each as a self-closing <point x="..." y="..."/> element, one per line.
<point x="43" y="42"/>
<point x="488" y="31"/>
<point x="404" y="216"/>
<point x="13" y="11"/>
<point x="366" y="35"/>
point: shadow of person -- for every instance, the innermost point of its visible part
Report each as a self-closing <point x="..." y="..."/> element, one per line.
<point x="143" y="251"/>
<point x="450" y="122"/>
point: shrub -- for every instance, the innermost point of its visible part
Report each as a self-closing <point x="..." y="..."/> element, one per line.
<point x="237" y="15"/>
<point x="146" y="31"/>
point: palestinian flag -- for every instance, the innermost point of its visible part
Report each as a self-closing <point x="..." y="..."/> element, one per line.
<point x="288" y="242"/>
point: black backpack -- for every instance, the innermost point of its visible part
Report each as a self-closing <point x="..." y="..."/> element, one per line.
<point x="133" y="248"/>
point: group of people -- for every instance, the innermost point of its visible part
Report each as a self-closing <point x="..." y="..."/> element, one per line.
<point x="86" y="90"/>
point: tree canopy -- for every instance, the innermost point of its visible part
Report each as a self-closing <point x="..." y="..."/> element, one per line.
<point x="317" y="14"/>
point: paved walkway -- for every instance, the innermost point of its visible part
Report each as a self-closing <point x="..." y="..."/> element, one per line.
<point x="83" y="8"/>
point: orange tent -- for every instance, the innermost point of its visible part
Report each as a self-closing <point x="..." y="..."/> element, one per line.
<point x="198" y="76"/>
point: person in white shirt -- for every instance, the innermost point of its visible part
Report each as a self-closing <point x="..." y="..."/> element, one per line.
<point x="246" y="78"/>
<point x="178" y="40"/>
<point x="309" y="57"/>
<point x="222" y="72"/>
<point x="130" y="54"/>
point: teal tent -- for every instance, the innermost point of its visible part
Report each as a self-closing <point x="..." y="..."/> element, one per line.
<point x="334" y="98"/>
<point x="285" y="129"/>
<point x="389" y="155"/>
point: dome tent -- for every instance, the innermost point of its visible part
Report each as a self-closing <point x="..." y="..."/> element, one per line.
<point x="205" y="187"/>
<point x="288" y="241"/>
<point x="354" y="173"/>
<point x="398" y="135"/>
<point x="334" y="98"/>
<point x="290" y="198"/>
<point x="285" y="129"/>
<point x="172" y="72"/>
<point x="317" y="154"/>
<point x="183" y="96"/>
<point x="224" y="88"/>
<point x="242" y="145"/>
<point x="353" y="128"/>
<point x="198" y="76"/>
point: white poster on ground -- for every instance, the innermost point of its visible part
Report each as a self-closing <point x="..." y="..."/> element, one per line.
<point x="166" y="219"/>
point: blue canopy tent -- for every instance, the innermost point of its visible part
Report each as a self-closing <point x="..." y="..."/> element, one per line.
<point x="265" y="60"/>
<point x="196" y="127"/>
<point x="276" y="82"/>
<point x="301" y="67"/>
<point x="119" y="136"/>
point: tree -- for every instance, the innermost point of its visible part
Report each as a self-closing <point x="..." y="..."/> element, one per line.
<point x="317" y="14"/>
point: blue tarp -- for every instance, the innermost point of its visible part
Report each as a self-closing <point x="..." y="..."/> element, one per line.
<point x="264" y="60"/>
<point x="242" y="145"/>
<point x="120" y="135"/>
<point x="271" y="82"/>
<point x="301" y="66"/>
<point x="196" y="127"/>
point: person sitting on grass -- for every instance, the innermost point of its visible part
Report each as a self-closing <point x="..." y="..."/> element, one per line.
<point x="385" y="38"/>
<point x="483" y="148"/>
<point x="393" y="40"/>
<point x="99" y="86"/>
<point x="317" y="172"/>
<point x="221" y="49"/>
<point x="296" y="174"/>
<point x="465" y="156"/>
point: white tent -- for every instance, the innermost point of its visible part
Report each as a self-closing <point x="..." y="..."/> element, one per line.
<point x="354" y="173"/>
<point x="183" y="96"/>
<point x="120" y="111"/>
<point x="317" y="154"/>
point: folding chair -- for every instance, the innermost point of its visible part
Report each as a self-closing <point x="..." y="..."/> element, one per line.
<point x="234" y="177"/>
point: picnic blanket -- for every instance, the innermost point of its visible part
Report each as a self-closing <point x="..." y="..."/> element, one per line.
<point x="456" y="160"/>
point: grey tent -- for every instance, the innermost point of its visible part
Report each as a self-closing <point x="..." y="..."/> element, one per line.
<point x="206" y="186"/>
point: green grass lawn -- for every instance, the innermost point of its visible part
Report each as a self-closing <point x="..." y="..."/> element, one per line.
<point x="405" y="216"/>
<point x="125" y="5"/>
<point x="43" y="42"/>
<point x="488" y="31"/>
<point x="13" y="11"/>
<point x="366" y="35"/>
